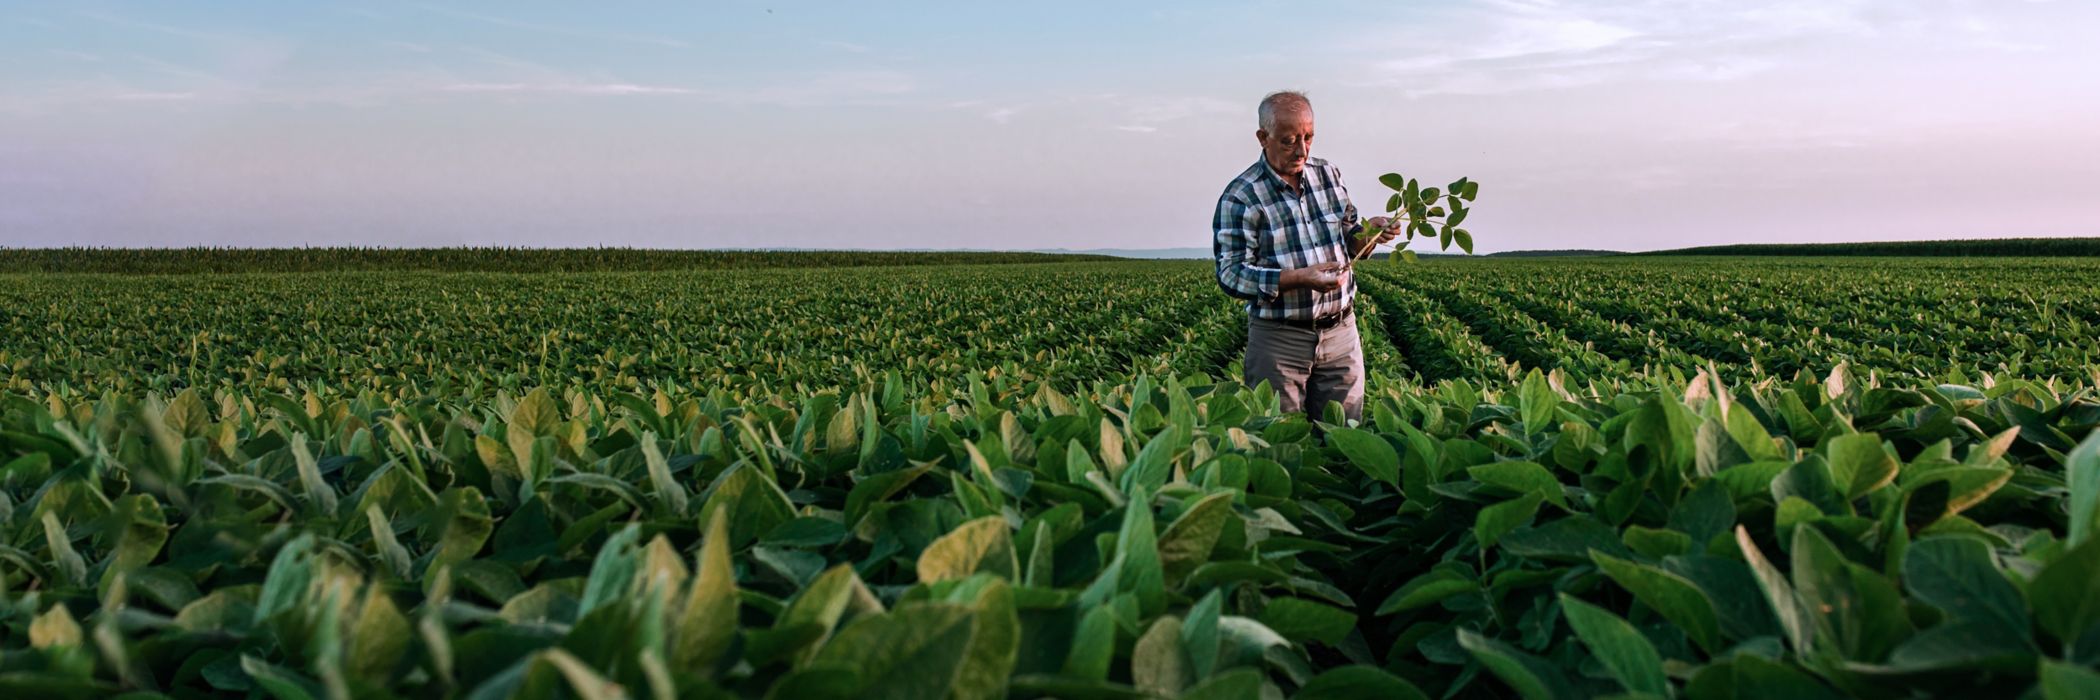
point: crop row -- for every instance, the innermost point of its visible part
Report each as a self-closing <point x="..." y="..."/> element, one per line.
<point x="1150" y="537"/>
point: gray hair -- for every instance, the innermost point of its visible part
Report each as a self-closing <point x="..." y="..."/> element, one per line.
<point x="1277" y="102"/>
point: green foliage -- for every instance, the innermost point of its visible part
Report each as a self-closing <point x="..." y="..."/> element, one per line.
<point x="1027" y="509"/>
<point x="1427" y="212"/>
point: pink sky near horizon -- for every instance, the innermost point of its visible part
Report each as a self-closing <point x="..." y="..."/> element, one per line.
<point x="1619" y="125"/>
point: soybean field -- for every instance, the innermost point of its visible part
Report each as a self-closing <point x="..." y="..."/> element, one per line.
<point x="1041" y="477"/>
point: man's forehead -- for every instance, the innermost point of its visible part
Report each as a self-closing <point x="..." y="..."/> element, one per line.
<point x="1294" y="116"/>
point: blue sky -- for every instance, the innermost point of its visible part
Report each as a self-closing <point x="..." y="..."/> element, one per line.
<point x="1629" y="125"/>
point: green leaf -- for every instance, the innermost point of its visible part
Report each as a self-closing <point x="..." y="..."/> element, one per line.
<point x="1093" y="645"/>
<point x="187" y="415"/>
<point x="279" y="682"/>
<point x="1675" y="598"/>
<point x="1157" y="663"/>
<point x="915" y="651"/>
<point x="1393" y="181"/>
<point x="1136" y="567"/>
<point x="1368" y="452"/>
<point x="1858" y="464"/>
<point x="551" y="664"/>
<point x="1537" y="401"/>
<point x="1462" y="238"/>
<point x="612" y="571"/>
<point x="1955" y="574"/>
<point x="142" y="531"/>
<point x="755" y="504"/>
<point x="1301" y="620"/>
<point x="1188" y="541"/>
<point x="1497" y="520"/>
<point x="994" y="642"/>
<point x="462" y="528"/>
<point x="318" y="492"/>
<point x="708" y="623"/>
<point x="2062" y="681"/>
<point x="1654" y="543"/>
<point x="378" y="639"/>
<point x="2065" y="594"/>
<point x="1200" y="634"/>
<point x="2082" y="471"/>
<point x="1795" y="620"/>
<point x="55" y="628"/>
<point x="878" y="488"/>
<point x="535" y="416"/>
<point x="1533" y="678"/>
<point x="1628" y="655"/>
<point x="1359" y="683"/>
<point x="1856" y="609"/>
<point x="1154" y="463"/>
<point x="1237" y="684"/>
<point x="387" y="546"/>
<point x="1427" y="589"/>
<point x="667" y="488"/>
<point x="816" y="682"/>
<point x="1751" y="676"/>
<point x="1408" y="255"/>
<point x="1472" y="190"/>
<point x="1521" y="478"/>
<point x="1566" y="539"/>
<point x="982" y="545"/>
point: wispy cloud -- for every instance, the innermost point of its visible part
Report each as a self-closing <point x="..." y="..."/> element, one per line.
<point x="81" y="56"/>
<point x="557" y="30"/>
<point x="845" y="46"/>
<point x="571" y="88"/>
<point x="168" y="29"/>
<point x="1502" y="46"/>
<point x="150" y="96"/>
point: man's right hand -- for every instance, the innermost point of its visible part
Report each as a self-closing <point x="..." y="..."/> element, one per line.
<point x="1322" y="277"/>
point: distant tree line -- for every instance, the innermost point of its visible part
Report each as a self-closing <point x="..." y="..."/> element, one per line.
<point x="1987" y="247"/>
<point x="488" y="259"/>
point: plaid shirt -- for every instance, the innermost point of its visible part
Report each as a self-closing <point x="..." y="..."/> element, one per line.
<point x="1263" y="227"/>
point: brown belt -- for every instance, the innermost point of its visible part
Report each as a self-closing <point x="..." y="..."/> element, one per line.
<point x="1319" y="324"/>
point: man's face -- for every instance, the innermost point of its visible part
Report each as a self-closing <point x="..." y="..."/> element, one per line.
<point x="1287" y="147"/>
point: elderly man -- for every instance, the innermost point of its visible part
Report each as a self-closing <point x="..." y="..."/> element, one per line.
<point x="1283" y="236"/>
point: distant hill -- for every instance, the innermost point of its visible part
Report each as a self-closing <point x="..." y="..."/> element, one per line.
<point x="485" y="259"/>
<point x="1572" y="253"/>
<point x="1982" y="247"/>
<point x="1144" y="253"/>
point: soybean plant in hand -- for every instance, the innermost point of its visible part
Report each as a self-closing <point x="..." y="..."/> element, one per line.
<point x="1427" y="212"/>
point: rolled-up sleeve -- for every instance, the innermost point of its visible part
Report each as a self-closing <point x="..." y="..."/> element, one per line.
<point x="1233" y="244"/>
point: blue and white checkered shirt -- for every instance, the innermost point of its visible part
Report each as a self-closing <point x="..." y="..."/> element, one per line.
<point x="1263" y="227"/>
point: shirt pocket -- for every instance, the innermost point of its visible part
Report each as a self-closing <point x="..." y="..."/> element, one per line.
<point x="1333" y="234"/>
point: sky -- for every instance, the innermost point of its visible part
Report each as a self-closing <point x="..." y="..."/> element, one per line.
<point x="995" y="125"/>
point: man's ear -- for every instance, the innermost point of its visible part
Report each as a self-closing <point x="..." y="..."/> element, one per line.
<point x="1261" y="136"/>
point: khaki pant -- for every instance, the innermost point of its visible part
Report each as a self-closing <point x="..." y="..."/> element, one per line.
<point x="1307" y="367"/>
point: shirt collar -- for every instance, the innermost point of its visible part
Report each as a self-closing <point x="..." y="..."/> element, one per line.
<point x="1277" y="178"/>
